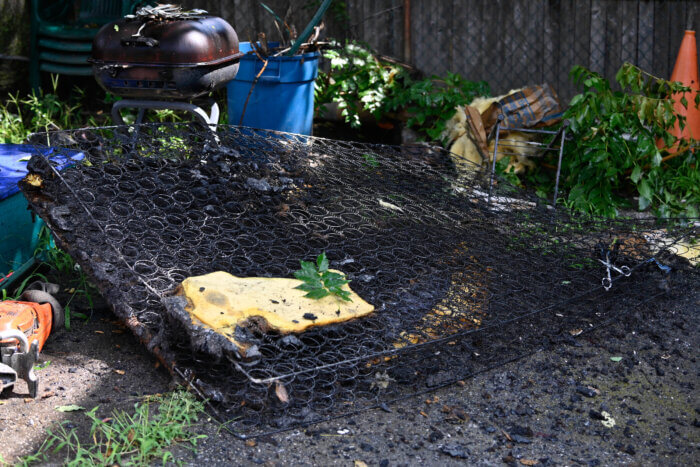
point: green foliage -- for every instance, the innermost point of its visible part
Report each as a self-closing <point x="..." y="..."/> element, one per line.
<point x="19" y="117"/>
<point x="613" y="152"/>
<point x="359" y="81"/>
<point x="338" y="10"/>
<point x="69" y="272"/>
<point x="34" y="276"/>
<point x="41" y="366"/>
<point x="431" y="102"/>
<point x="123" y="439"/>
<point x="319" y="282"/>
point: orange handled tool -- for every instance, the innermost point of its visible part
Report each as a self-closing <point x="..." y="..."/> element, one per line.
<point x="25" y="325"/>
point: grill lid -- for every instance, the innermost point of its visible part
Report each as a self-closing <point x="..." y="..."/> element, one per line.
<point x="175" y="40"/>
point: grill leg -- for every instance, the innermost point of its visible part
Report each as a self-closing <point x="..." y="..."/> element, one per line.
<point x="142" y="105"/>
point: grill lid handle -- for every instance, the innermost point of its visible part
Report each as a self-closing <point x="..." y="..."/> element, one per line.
<point x="140" y="41"/>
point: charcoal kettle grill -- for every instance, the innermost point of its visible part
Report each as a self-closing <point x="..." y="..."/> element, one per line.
<point x="164" y="57"/>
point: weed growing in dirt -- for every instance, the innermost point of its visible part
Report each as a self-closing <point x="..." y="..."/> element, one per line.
<point x="34" y="276"/>
<point x="124" y="439"/>
<point x="69" y="273"/>
<point x="41" y="112"/>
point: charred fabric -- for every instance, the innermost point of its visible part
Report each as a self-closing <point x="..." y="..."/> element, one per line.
<point x="459" y="282"/>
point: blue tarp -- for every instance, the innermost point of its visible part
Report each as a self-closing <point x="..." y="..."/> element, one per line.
<point x="13" y="164"/>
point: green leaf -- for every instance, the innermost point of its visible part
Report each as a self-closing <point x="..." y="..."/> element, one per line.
<point x="307" y="276"/>
<point x="317" y="294"/>
<point x="318" y="281"/>
<point x="615" y="359"/>
<point x="644" y="203"/>
<point x="645" y="189"/>
<point x="41" y="366"/>
<point x="307" y="287"/>
<point x="335" y="282"/>
<point x="344" y="294"/>
<point x="69" y="408"/>
<point x="322" y="262"/>
<point x="636" y="174"/>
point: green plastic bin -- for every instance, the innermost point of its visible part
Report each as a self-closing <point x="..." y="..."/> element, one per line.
<point x="19" y="229"/>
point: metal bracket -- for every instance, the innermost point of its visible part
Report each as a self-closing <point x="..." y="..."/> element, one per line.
<point x="142" y="105"/>
<point x="21" y="360"/>
<point x="8" y="377"/>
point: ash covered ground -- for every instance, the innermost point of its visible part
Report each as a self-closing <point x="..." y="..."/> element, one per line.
<point x="570" y="404"/>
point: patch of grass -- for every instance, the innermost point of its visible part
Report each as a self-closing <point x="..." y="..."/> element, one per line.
<point x="63" y="265"/>
<point x="34" y="276"/>
<point x="41" y="112"/>
<point x="123" y="439"/>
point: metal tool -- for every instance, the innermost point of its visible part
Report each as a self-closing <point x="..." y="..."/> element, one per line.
<point x="607" y="281"/>
<point x="25" y="325"/>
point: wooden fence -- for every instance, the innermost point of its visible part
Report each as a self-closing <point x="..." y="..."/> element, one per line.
<point x="508" y="43"/>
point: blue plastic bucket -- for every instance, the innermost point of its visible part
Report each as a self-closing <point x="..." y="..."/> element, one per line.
<point x="283" y="96"/>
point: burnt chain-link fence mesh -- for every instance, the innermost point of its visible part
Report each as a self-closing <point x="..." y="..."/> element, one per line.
<point x="460" y="282"/>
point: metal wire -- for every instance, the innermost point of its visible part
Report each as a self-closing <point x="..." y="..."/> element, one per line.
<point x="459" y="284"/>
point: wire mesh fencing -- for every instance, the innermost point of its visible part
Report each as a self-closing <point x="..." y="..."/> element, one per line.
<point x="515" y="43"/>
<point x="508" y="43"/>
<point x="460" y="281"/>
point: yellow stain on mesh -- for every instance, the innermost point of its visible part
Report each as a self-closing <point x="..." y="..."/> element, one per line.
<point x="687" y="250"/>
<point x="222" y="301"/>
<point x="462" y="308"/>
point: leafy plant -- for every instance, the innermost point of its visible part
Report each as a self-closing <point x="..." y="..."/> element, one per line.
<point x="359" y="81"/>
<point x="613" y="151"/>
<point x="40" y="112"/>
<point x="23" y="285"/>
<point x="125" y="439"/>
<point x="41" y="366"/>
<point x="63" y="265"/>
<point x="319" y="282"/>
<point x="431" y="102"/>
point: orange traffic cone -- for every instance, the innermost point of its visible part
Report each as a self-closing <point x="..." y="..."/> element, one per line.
<point x="686" y="71"/>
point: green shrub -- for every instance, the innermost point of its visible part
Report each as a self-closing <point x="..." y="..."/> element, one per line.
<point x="358" y="80"/>
<point x="20" y="117"/>
<point x="613" y="154"/>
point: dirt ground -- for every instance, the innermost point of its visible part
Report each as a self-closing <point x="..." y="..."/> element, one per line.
<point x="546" y="409"/>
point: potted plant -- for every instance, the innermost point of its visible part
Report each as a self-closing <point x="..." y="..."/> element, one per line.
<point x="274" y="87"/>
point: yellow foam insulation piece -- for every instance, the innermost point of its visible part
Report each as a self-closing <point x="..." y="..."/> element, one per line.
<point x="462" y="148"/>
<point x="222" y="301"/>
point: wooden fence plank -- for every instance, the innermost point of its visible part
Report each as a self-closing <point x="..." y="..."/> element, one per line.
<point x="645" y="35"/>
<point x="629" y="26"/>
<point x="507" y="42"/>
<point x="597" y="37"/>
<point x="662" y="31"/>
<point x="550" y="49"/>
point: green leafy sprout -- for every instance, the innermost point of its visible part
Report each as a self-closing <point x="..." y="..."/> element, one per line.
<point x="319" y="282"/>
